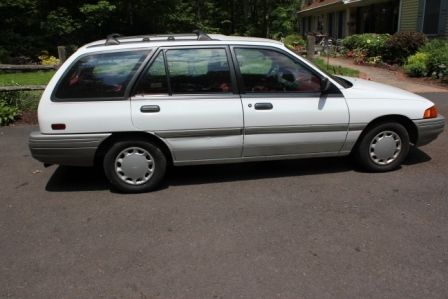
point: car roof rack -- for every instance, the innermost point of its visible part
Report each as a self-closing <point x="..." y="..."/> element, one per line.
<point x="117" y="39"/>
<point x="112" y="39"/>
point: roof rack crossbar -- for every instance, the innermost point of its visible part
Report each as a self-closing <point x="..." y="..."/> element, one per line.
<point x="116" y="39"/>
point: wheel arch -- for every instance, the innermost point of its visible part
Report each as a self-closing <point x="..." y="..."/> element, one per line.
<point x="121" y="136"/>
<point x="406" y="122"/>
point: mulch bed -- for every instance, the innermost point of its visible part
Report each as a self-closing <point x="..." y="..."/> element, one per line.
<point x="28" y="117"/>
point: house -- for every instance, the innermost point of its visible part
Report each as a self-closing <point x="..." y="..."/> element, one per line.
<point x="339" y="18"/>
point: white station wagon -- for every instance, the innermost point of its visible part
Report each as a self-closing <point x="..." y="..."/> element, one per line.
<point x="139" y="104"/>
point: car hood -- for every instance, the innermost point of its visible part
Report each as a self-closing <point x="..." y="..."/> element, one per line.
<point x="365" y="89"/>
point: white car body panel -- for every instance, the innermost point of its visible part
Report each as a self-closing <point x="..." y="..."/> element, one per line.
<point x="290" y="118"/>
<point x="95" y="117"/>
<point x="205" y="113"/>
<point x="369" y="100"/>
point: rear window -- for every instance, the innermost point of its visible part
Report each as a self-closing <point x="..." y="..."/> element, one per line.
<point x="99" y="76"/>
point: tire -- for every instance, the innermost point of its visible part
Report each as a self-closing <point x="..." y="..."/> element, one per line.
<point x="134" y="166"/>
<point x="383" y="148"/>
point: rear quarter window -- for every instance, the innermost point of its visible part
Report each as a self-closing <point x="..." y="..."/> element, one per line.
<point x="99" y="76"/>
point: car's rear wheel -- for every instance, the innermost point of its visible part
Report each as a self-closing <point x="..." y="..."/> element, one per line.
<point x="383" y="148"/>
<point x="134" y="166"/>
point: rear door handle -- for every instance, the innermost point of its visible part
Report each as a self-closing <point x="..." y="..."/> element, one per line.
<point x="263" y="106"/>
<point x="150" y="109"/>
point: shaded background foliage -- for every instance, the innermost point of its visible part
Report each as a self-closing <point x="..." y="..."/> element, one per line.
<point x="28" y="27"/>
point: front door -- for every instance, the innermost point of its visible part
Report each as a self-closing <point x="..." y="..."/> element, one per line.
<point x="186" y="97"/>
<point x="284" y="111"/>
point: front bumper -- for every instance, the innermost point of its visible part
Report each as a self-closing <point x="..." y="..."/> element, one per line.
<point x="65" y="149"/>
<point x="429" y="129"/>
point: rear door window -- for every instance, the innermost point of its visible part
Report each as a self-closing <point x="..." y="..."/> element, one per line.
<point x="100" y="76"/>
<point x="154" y="79"/>
<point x="204" y="70"/>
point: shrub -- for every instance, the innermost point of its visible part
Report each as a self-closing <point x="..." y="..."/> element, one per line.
<point x="15" y="104"/>
<point x="46" y="59"/>
<point x="8" y="113"/>
<point x="359" y="56"/>
<point x="371" y="43"/>
<point x="402" y="45"/>
<point x="434" y="45"/>
<point x="437" y="51"/>
<point x="294" y="42"/>
<point x="417" y="65"/>
<point x="22" y="100"/>
<point x="351" y="42"/>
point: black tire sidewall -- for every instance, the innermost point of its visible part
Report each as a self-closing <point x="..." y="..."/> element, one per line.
<point x="363" y="155"/>
<point x="160" y="165"/>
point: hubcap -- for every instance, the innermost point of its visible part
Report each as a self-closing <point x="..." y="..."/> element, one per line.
<point x="385" y="148"/>
<point x="134" y="165"/>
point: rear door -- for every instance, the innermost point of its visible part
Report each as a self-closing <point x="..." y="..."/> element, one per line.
<point x="187" y="96"/>
<point x="284" y="110"/>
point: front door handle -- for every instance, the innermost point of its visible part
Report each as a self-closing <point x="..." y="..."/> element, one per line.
<point x="150" y="109"/>
<point x="263" y="106"/>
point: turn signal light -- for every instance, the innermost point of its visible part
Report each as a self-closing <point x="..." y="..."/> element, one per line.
<point x="430" y="112"/>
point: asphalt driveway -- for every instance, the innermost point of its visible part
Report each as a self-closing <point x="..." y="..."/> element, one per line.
<point x="292" y="229"/>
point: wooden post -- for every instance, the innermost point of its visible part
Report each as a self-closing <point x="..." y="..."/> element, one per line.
<point x="311" y="42"/>
<point x="62" y="53"/>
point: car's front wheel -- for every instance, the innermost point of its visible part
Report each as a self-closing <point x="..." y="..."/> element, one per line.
<point x="383" y="148"/>
<point x="134" y="166"/>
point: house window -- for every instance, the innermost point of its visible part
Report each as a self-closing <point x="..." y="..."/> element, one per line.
<point x="378" y="18"/>
<point x="340" y="24"/>
<point x="304" y="30"/>
<point x="431" y="17"/>
<point x="330" y="24"/>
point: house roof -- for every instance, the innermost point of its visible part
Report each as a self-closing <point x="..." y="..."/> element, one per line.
<point x="319" y="3"/>
<point x="328" y="5"/>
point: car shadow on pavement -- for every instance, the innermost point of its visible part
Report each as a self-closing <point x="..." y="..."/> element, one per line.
<point x="190" y="175"/>
<point x="416" y="156"/>
<point x="66" y="179"/>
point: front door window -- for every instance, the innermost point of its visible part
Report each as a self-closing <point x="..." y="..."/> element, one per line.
<point x="264" y="70"/>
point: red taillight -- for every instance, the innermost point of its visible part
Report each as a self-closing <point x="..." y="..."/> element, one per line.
<point x="430" y="112"/>
<point x="58" y="126"/>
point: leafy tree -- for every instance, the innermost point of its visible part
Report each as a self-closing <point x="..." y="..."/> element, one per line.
<point x="29" y="26"/>
<point x="97" y="14"/>
<point x="18" y="27"/>
<point x="60" y="23"/>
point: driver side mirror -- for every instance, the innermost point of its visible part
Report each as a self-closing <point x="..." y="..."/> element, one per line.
<point x="325" y="85"/>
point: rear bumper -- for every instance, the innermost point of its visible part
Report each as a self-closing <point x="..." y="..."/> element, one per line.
<point x="67" y="149"/>
<point x="429" y="129"/>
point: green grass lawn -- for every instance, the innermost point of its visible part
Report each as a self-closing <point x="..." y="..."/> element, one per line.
<point x="27" y="78"/>
<point x="335" y="70"/>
